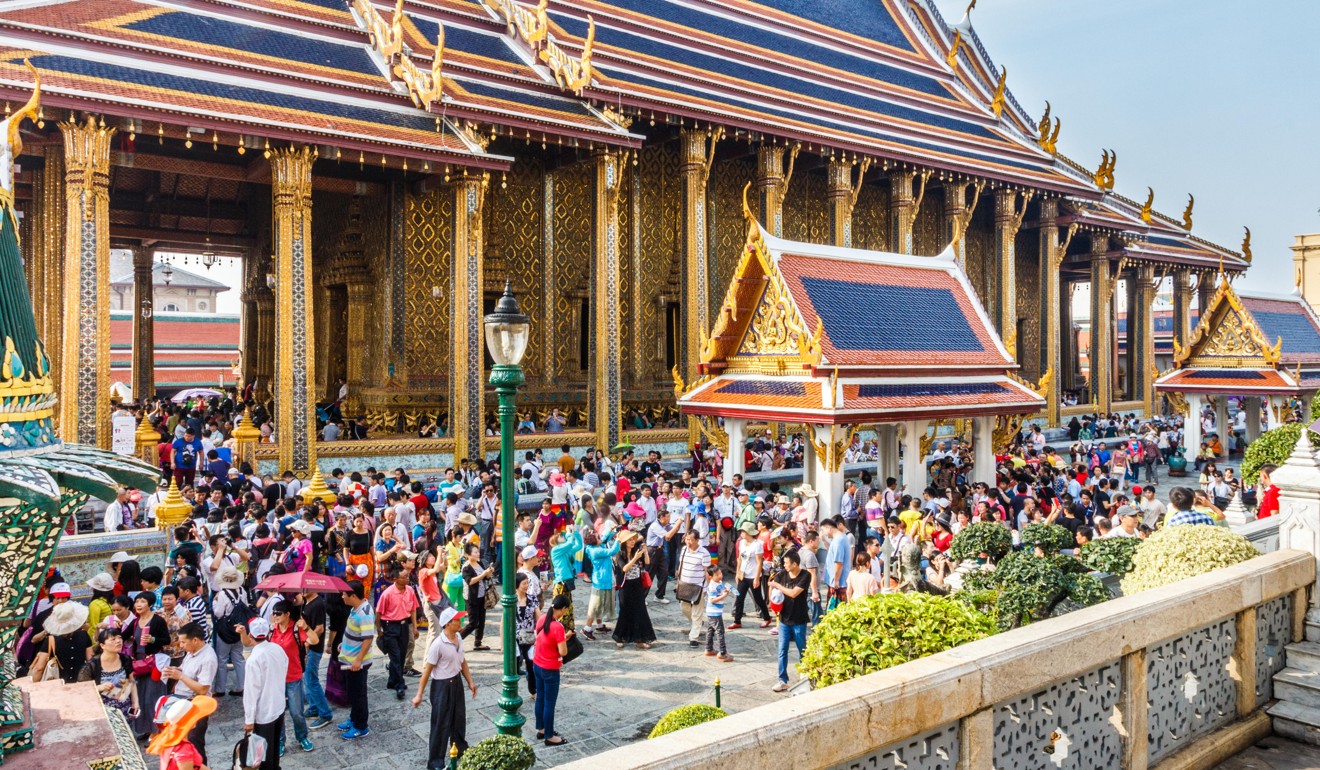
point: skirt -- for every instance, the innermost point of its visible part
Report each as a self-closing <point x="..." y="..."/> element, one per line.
<point x="602" y="605"/>
<point x="368" y="559"/>
<point x="634" y="623"/>
<point x="149" y="691"/>
<point x="567" y="620"/>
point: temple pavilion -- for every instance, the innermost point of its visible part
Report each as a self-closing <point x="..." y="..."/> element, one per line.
<point x="382" y="168"/>
<point x="1265" y="348"/>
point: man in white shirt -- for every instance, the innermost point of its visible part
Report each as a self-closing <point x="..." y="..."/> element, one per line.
<point x="1127" y="523"/>
<point x="222" y="553"/>
<point x="114" y="512"/>
<point x="194" y="676"/>
<point x="154" y="499"/>
<point x="647" y="503"/>
<point x="263" y="695"/>
<point x="1152" y="510"/>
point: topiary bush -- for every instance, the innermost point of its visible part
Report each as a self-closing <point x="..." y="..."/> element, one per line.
<point x="1112" y="555"/>
<point x="983" y="537"/>
<point x="1035" y="587"/>
<point x="883" y="630"/>
<point x="686" y="716"/>
<point x="499" y="752"/>
<point x="1273" y="447"/>
<point x="1182" y="551"/>
<point x="1050" y="537"/>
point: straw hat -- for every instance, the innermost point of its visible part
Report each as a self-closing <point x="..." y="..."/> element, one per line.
<point x="806" y="491"/>
<point x="228" y="577"/>
<point x="102" y="581"/>
<point x="627" y="536"/>
<point x="468" y="519"/>
<point x="66" y="618"/>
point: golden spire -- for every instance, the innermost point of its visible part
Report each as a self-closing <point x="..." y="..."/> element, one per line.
<point x="1145" y="207"/>
<point x="1187" y="213"/>
<point x="970" y="6"/>
<point x="1104" y="175"/>
<point x="1043" y="127"/>
<point x="952" y="58"/>
<point x="997" y="103"/>
<point x="28" y="110"/>
<point x="1246" y="245"/>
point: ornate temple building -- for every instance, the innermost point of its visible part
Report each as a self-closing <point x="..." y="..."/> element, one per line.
<point x="382" y="169"/>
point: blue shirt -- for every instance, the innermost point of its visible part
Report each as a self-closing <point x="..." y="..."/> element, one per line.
<point x="561" y="557"/>
<point x="840" y="552"/>
<point x="602" y="567"/>
<point x="715" y="609"/>
<point x="186" y="460"/>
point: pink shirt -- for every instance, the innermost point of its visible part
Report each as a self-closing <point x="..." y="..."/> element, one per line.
<point x="395" y="604"/>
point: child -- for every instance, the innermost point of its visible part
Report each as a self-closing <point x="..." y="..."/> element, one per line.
<point x="175" y="717"/>
<point x="716" y="593"/>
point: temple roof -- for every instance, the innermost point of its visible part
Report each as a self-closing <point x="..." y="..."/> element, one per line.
<point x="180" y="279"/>
<point x="846" y="335"/>
<point x="1249" y="343"/>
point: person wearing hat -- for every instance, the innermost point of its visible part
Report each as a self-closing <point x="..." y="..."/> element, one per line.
<point x="264" y="696"/>
<point x="1128" y="519"/>
<point x="634" y="621"/>
<point x="103" y="592"/>
<point x="177" y="718"/>
<point x="445" y="664"/>
<point x="67" y="646"/>
<point x="529" y="560"/>
<point x="228" y="641"/>
<point x="811" y="503"/>
<point x="751" y="558"/>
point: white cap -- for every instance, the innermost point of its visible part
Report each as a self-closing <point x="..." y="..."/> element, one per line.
<point x="259" y="628"/>
<point x="528" y="552"/>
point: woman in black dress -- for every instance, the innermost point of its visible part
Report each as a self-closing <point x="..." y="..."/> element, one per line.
<point x="67" y="643"/>
<point x="144" y="636"/>
<point x="634" y="623"/>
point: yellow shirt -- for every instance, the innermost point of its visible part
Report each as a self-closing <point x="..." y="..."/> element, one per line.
<point x="911" y="522"/>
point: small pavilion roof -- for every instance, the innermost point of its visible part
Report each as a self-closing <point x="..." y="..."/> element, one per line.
<point x="846" y="335"/>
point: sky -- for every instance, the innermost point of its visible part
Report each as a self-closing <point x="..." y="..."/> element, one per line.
<point x="1216" y="98"/>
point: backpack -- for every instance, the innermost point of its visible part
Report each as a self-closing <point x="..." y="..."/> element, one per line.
<point x="239" y="614"/>
<point x="289" y="558"/>
<point x="187" y="456"/>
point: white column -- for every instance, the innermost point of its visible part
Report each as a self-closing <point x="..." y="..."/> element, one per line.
<point x="1298" y="480"/>
<point x="1306" y="397"/>
<point x="983" y="448"/>
<point x="1268" y="421"/>
<point x="809" y="462"/>
<point x="914" y="477"/>
<point x="1252" y="406"/>
<point x="1222" y="425"/>
<point x="887" y="437"/>
<point x="829" y="483"/>
<point x="1192" y="428"/>
<point x="735" y="458"/>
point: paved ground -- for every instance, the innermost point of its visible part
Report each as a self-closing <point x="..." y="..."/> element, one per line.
<point x="1275" y="753"/>
<point x="609" y="697"/>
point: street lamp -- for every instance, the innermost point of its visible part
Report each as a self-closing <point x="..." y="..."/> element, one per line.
<point x="507" y="332"/>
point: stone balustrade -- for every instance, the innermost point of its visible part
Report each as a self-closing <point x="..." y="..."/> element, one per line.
<point x="1170" y="678"/>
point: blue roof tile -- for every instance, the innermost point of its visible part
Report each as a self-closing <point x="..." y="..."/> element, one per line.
<point x="469" y="41"/>
<point x="928" y="389"/>
<point x="763" y="388"/>
<point x="1298" y="333"/>
<point x="1224" y="374"/>
<point x="862" y="316"/>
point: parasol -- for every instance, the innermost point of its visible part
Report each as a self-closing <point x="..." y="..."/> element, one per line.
<point x="303" y="582"/>
<point x="184" y="395"/>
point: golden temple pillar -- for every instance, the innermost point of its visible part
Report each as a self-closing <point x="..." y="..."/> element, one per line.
<point x="772" y="184"/>
<point x="1102" y="325"/>
<point x="607" y="391"/>
<point x="841" y="195"/>
<point x="85" y="398"/>
<point x="248" y="336"/>
<point x="1051" y="257"/>
<point x="1008" y="220"/>
<point x="360" y="296"/>
<point x="902" y="211"/>
<point x="467" y="384"/>
<point x="958" y="214"/>
<point x="265" y="346"/>
<point x="696" y="155"/>
<point x="144" y="327"/>
<point x="1182" y="306"/>
<point x="295" y="353"/>
<point x="1206" y="285"/>
<point x="1141" y="318"/>
<point x="49" y="298"/>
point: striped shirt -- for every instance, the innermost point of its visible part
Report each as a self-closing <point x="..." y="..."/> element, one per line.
<point x="196" y="607"/>
<point x="359" y="632"/>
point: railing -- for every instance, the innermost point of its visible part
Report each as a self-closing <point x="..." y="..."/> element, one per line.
<point x="1172" y="677"/>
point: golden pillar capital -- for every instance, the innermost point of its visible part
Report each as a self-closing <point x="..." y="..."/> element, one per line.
<point x="841" y="196"/>
<point x="772" y="180"/>
<point x="85" y="352"/>
<point x="295" y="351"/>
<point x="697" y="156"/>
<point x="467" y="384"/>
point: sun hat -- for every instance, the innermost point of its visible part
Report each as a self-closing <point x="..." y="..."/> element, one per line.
<point x="228" y="577"/>
<point x="119" y="557"/>
<point x="448" y="615"/>
<point x="627" y="536"/>
<point x="66" y="618"/>
<point x="468" y="519"/>
<point x="177" y="717"/>
<point x="749" y="528"/>
<point x="301" y="526"/>
<point x="806" y="491"/>
<point x="101" y="581"/>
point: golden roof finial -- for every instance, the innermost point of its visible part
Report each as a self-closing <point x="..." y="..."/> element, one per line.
<point x="1104" y="175"/>
<point x="970" y="6"/>
<point x="951" y="58"/>
<point x="1187" y="213"/>
<point x="1246" y="244"/>
<point x="997" y="103"/>
<point x="1145" y="207"/>
<point x="28" y="110"/>
<point x="1043" y="127"/>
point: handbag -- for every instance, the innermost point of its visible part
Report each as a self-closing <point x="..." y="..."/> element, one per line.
<point x="646" y="579"/>
<point x="688" y="593"/>
<point x="334" y="683"/>
<point x="492" y="599"/>
<point x="52" y="670"/>
<point x="574" y="649"/>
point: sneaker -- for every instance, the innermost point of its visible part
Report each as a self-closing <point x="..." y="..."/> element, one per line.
<point x="710" y="653"/>
<point x="281" y="747"/>
<point x="774" y="632"/>
<point x="236" y="693"/>
<point x="305" y="744"/>
<point x="693" y="644"/>
<point x="412" y="672"/>
<point x="587" y="632"/>
<point x="345" y="725"/>
<point x="354" y="733"/>
<point x="664" y="601"/>
<point x="780" y="687"/>
<point x="726" y="658"/>
<point x="318" y="722"/>
<point x="733" y="626"/>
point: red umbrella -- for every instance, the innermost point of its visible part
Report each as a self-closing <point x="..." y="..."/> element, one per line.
<point x="303" y="582"/>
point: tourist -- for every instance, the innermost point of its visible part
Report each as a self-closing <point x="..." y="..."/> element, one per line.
<point x="178" y="723"/>
<point x="445" y="664"/>
<point x="147" y="635"/>
<point x="194" y="676"/>
<point x="634" y="623"/>
<point x="112" y="672"/>
<point x="838" y="555"/>
<point x="190" y="589"/>
<point x="229" y="608"/>
<point x="355" y="653"/>
<point x="264" y="698"/>
<point x="659" y="536"/>
<point x="861" y="580"/>
<point x="716" y="594"/>
<point x="1266" y="492"/>
<point x="600" y="552"/>
<point x="67" y="646"/>
<point x="479" y="582"/>
<point x="397" y="610"/>
<point x="103" y="592"/>
<point x="551" y="646"/>
<point x="563" y="546"/>
<point x="312" y="624"/>
<point x="184" y="454"/>
<point x="359" y="549"/>
<point x="794" y="584"/>
<point x="751" y="557"/>
<point x="525" y="615"/>
<point x="293" y="639"/>
<point x="690" y="590"/>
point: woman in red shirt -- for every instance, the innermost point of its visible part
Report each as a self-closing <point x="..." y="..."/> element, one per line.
<point x="547" y="657"/>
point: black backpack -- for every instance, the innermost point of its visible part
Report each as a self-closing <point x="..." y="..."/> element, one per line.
<point x="240" y="614"/>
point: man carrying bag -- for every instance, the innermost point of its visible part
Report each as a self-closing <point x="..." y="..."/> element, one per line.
<point x="690" y="591"/>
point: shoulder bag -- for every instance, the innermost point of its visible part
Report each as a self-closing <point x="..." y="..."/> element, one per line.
<point x="685" y="592"/>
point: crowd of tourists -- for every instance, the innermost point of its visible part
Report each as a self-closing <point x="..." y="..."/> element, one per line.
<point x="420" y="565"/>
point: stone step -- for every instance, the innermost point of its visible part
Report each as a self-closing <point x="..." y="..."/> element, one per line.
<point x="1298" y="686"/>
<point x="1304" y="655"/>
<point x="1312" y="631"/>
<point x="1300" y="723"/>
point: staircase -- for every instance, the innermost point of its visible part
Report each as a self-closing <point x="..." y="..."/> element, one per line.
<point x="1296" y="711"/>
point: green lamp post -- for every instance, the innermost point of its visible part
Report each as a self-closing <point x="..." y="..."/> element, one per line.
<point x="507" y="332"/>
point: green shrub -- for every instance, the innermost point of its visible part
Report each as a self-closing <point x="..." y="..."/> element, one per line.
<point x="984" y="537"/>
<point x="883" y="630"/>
<point x="1112" y="555"/>
<point x="1273" y="447"/>
<point x="1037" y="587"/>
<point x="1182" y="551"/>
<point x="686" y="716"/>
<point x="1050" y="537"/>
<point x="499" y="752"/>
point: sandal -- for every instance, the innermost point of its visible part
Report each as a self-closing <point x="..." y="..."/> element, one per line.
<point x="618" y="645"/>
<point x="481" y="647"/>
<point x="642" y="646"/>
